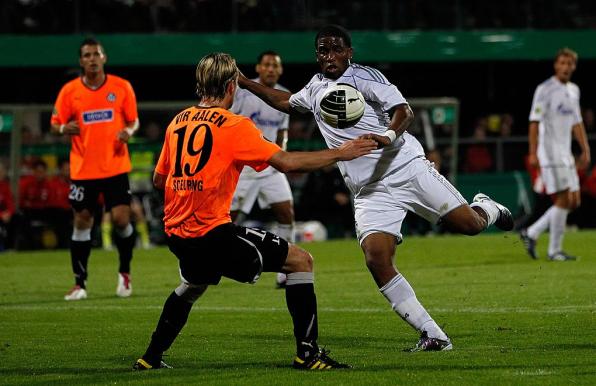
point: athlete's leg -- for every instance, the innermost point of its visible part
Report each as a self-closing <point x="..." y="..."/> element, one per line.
<point x="284" y="214"/>
<point x="565" y="202"/>
<point x="301" y="299"/>
<point x="80" y="245"/>
<point x="379" y="249"/>
<point x="173" y="318"/>
<point x="124" y="236"/>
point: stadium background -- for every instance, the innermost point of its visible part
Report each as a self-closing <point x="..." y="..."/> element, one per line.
<point x="490" y="57"/>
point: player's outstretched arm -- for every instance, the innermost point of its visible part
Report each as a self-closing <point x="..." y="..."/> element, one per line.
<point x="312" y="160"/>
<point x="278" y="99"/>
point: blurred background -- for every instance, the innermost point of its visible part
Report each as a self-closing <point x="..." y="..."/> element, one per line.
<point x="469" y="69"/>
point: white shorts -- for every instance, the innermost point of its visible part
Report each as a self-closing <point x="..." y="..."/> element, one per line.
<point x="559" y="178"/>
<point x="267" y="190"/>
<point x="418" y="187"/>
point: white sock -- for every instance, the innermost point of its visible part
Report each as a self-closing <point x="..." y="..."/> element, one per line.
<point x="126" y="231"/>
<point x="536" y="229"/>
<point x="286" y="232"/>
<point x="81" y="234"/>
<point x="558" y="220"/>
<point x="491" y="210"/>
<point x="403" y="301"/>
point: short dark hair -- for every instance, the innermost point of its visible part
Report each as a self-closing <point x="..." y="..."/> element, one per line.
<point x="88" y="42"/>
<point x="265" y="53"/>
<point x="334" y="30"/>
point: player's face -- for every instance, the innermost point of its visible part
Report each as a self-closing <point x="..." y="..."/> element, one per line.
<point x="333" y="56"/>
<point x="269" y="70"/>
<point x="564" y="67"/>
<point x="92" y="59"/>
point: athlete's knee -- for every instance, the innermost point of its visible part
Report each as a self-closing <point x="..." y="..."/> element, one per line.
<point x="83" y="220"/>
<point x="379" y="257"/>
<point x="466" y="220"/>
<point x="298" y="260"/>
<point x="190" y="293"/>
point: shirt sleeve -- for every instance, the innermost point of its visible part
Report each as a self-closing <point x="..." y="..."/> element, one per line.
<point x="129" y="105"/>
<point x="62" y="112"/>
<point x="380" y="90"/>
<point x="539" y="105"/>
<point x="301" y="100"/>
<point x="251" y="148"/>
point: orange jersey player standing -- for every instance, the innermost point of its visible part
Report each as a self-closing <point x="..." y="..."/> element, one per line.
<point x="204" y="151"/>
<point x="99" y="112"/>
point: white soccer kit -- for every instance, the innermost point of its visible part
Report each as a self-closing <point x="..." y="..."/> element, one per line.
<point x="390" y="181"/>
<point x="556" y="107"/>
<point x="268" y="186"/>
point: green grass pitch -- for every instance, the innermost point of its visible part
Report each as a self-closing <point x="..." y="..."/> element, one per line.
<point x="512" y="320"/>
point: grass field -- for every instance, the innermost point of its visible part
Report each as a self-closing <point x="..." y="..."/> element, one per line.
<point x="512" y="320"/>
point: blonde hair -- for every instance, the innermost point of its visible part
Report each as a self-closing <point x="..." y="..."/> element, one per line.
<point x="566" y="51"/>
<point x="214" y="72"/>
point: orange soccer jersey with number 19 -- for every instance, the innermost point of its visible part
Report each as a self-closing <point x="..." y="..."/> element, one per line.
<point x="203" y="154"/>
<point x="96" y="152"/>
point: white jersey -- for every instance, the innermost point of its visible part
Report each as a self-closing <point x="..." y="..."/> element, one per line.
<point x="380" y="96"/>
<point x="556" y="107"/>
<point x="265" y="117"/>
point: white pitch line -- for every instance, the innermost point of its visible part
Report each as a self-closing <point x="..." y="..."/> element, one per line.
<point x="475" y="310"/>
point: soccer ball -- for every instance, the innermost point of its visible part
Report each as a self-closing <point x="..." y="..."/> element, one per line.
<point x="342" y="106"/>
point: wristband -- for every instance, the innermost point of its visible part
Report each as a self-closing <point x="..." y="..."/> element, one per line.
<point x="61" y="130"/>
<point x="391" y="134"/>
<point x="129" y="131"/>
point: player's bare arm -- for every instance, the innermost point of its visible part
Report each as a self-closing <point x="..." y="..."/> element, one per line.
<point x="70" y="128"/>
<point x="400" y="121"/>
<point x="159" y="180"/>
<point x="533" y="144"/>
<point x="579" y="133"/>
<point x="312" y="160"/>
<point x="127" y="132"/>
<point x="278" y="99"/>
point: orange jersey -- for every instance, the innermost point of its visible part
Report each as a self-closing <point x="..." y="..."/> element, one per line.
<point x="203" y="154"/>
<point x="96" y="152"/>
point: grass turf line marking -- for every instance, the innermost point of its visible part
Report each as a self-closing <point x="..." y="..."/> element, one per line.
<point x="479" y="310"/>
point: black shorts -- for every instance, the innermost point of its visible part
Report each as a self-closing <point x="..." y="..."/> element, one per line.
<point x="229" y="250"/>
<point x="84" y="193"/>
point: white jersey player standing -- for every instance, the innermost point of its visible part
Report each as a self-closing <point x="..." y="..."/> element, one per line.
<point x="270" y="187"/>
<point x="390" y="181"/>
<point x="554" y="117"/>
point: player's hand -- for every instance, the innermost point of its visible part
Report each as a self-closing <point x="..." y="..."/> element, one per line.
<point x="72" y="128"/>
<point x="533" y="161"/>
<point x="381" y="140"/>
<point x="356" y="148"/>
<point x="123" y="136"/>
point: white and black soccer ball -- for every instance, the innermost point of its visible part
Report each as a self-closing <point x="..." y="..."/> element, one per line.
<point x="342" y="105"/>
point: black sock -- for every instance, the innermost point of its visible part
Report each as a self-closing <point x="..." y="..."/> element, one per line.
<point x="173" y="318"/>
<point x="302" y="304"/>
<point x="79" y="256"/>
<point x="125" y="246"/>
